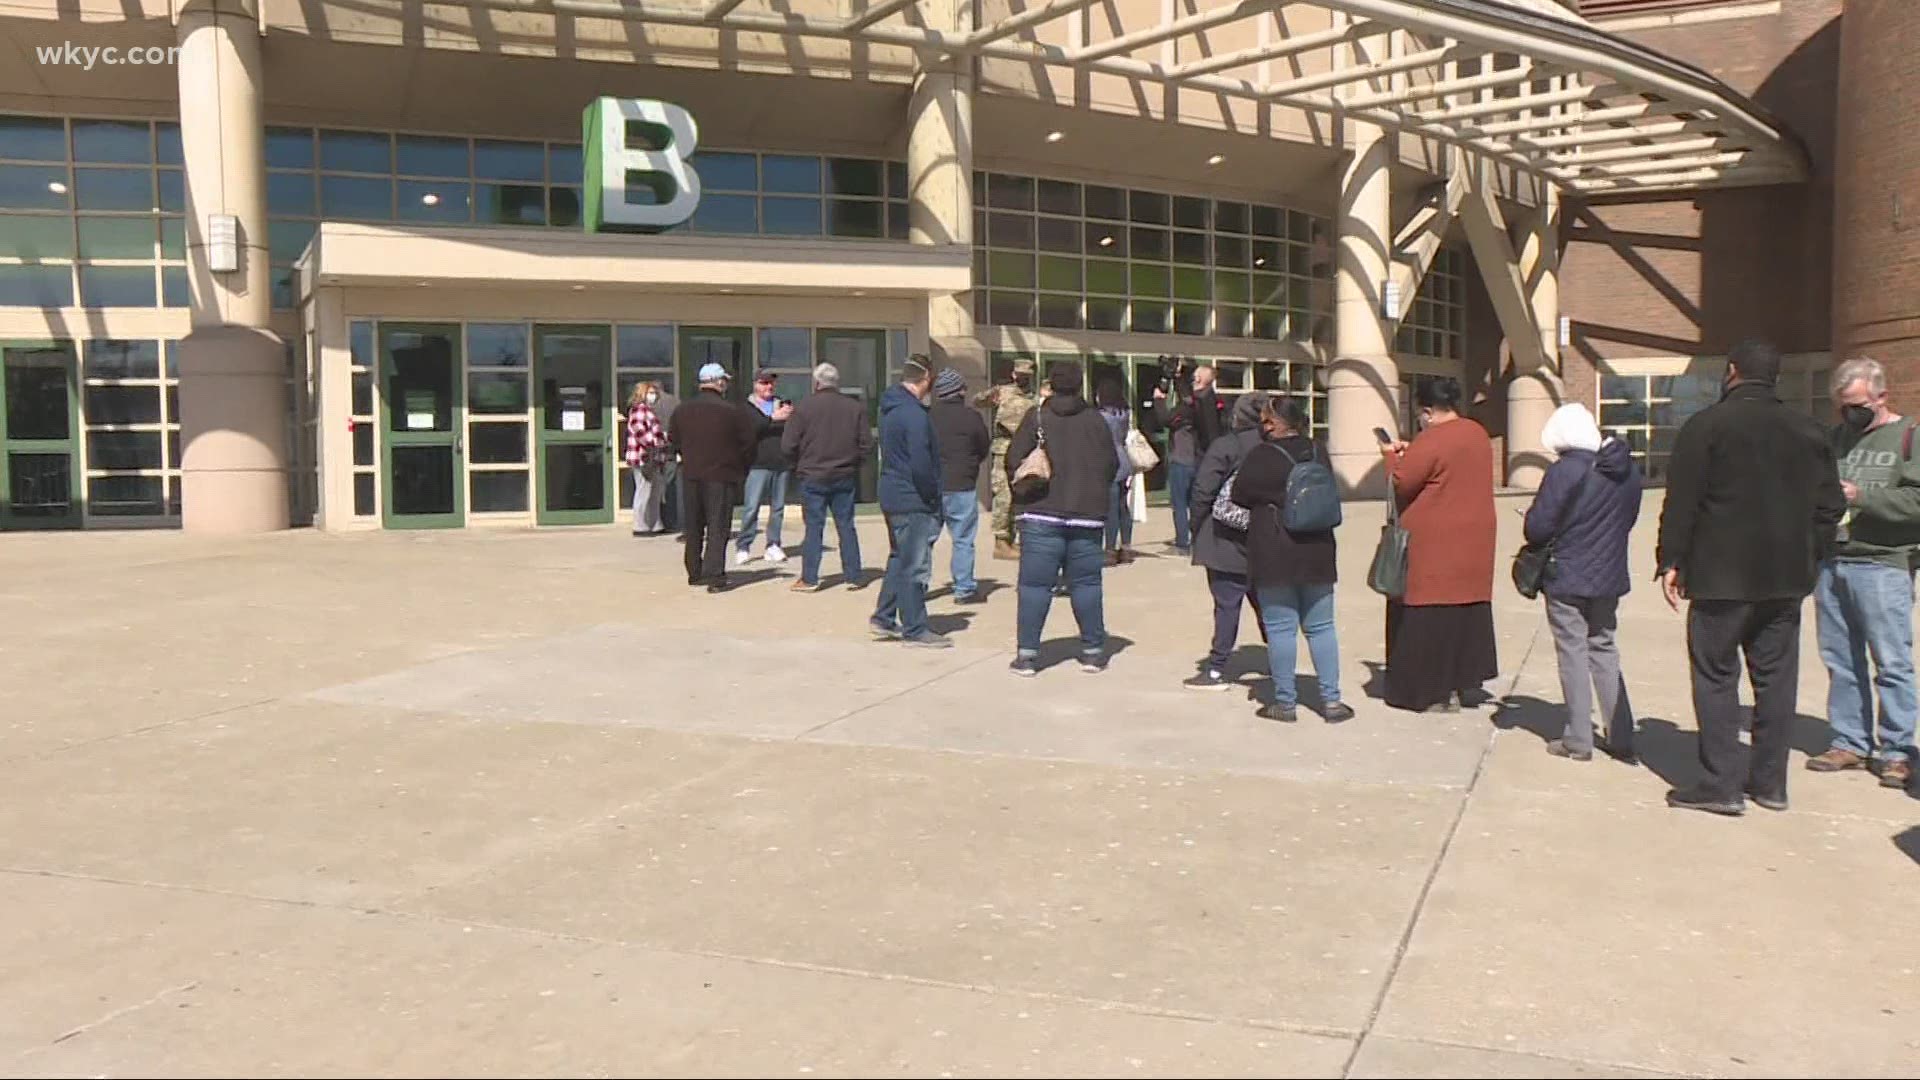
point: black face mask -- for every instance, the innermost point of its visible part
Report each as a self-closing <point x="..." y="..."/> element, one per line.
<point x="1857" y="417"/>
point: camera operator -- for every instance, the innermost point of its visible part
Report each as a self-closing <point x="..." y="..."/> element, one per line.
<point x="1191" y="416"/>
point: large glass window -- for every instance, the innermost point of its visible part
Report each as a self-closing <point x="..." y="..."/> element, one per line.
<point x="130" y="412"/>
<point x="1435" y="322"/>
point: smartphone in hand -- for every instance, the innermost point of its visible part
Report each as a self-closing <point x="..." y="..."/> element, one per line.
<point x="1381" y="434"/>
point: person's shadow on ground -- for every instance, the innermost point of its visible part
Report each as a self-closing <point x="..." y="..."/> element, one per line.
<point x="1669" y="751"/>
<point x="1062" y="650"/>
<point x="1909" y="843"/>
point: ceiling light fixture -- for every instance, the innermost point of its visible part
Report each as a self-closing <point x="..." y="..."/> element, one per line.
<point x="431" y="198"/>
<point x="1216" y="159"/>
<point x="579" y="288"/>
<point x="1261" y="261"/>
<point x="58" y="187"/>
<point x="1056" y="136"/>
<point x="1106" y="241"/>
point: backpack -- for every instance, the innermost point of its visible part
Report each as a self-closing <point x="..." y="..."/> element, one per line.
<point x="1313" y="498"/>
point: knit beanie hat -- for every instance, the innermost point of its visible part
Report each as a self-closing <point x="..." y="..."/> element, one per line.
<point x="949" y="384"/>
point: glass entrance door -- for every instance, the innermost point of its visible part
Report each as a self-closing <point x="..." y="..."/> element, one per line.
<point x="573" y="367"/>
<point x="729" y="346"/>
<point x="421" y="421"/>
<point x="39" y="435"/>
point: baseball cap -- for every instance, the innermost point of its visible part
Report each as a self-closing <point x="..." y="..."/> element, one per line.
<point x="765" y="377"/>
<point x="1023" y="366"/>
<point x="713" y="373"/>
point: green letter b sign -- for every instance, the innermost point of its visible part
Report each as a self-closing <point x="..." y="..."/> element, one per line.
<point x="638" y="178"/>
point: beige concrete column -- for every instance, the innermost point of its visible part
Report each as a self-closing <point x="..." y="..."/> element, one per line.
<point x="1363" y="386"/>
<point x="233" y="370"/>
<point x="1536" y="390"/>
<point x="940" y="181"/>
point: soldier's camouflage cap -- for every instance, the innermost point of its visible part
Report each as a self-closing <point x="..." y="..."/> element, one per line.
<point x="1023" y="366"/>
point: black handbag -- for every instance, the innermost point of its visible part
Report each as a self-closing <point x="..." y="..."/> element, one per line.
<point x="1388" y="574"/>
<point x="1533" y="566"/>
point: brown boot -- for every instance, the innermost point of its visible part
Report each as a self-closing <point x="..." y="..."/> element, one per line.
<point x="1836" y="760"/>
<point x="1896" y="773"/>
<point x="1004" y="549"/>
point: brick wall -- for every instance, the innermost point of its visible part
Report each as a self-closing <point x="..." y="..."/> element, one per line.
<point x="1690" y="276"/>
<point x="1877" y="212"/>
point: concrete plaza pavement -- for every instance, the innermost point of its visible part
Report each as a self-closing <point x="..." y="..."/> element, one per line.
<point x="520" y="803"/>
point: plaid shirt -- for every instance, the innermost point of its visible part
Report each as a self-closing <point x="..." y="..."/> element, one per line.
<point x="645" y="436"/>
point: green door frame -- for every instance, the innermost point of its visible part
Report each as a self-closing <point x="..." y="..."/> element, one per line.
<point x="548" y="437"/>
<point x="868" y="482"/>
<point x="70" y="446"/>
<point x="689" y="363"/>
<point x="454" y="438"/>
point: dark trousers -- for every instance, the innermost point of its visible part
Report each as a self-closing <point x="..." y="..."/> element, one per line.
<point x="1229" y="592"/>
<point x="704" y="531"/>
<point x="673" y="511"/>
<point x="1768" y="632"/>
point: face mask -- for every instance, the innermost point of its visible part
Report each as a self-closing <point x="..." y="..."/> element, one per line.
<point x="653" y="397"/>
<point x="1857" y="417"/>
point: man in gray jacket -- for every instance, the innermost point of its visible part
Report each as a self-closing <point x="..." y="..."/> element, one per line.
<point x="1221" y="549"/>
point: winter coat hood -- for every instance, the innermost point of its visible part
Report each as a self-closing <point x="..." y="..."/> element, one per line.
<point x="1614" y="461"/>
<point x="1571" y="427"/>
<point x="896" y="397"/>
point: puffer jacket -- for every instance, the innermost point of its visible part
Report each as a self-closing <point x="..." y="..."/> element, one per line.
<point x="1591" y="515"/>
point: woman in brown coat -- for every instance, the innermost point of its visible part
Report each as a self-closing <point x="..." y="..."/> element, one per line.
<point x="1440" y="644"/>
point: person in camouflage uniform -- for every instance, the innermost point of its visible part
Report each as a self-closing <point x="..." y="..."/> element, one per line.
<point x="1011" y="402"/>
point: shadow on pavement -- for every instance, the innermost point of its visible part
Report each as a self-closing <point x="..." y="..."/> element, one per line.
<point x="1909" y="843"/>
<point x="1065" y="649"/>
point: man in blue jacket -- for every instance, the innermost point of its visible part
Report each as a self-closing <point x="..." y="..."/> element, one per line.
<point x="910" y="499"/>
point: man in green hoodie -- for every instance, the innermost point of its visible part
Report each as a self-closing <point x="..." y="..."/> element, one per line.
<point x="1864" y="599"/>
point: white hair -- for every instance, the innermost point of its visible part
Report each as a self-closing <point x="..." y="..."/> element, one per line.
<point x="826" y="375"/>
<point x="1856" y="369"/>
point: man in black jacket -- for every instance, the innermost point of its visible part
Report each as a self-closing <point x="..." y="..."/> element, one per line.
<point x="1062" y="523"/>
<point x="767" y="478"/>
<point x="1753" y="502"/>
<point x="1206" y="409"/>
<point x="828" y="437"/>
<point x="964" y="445"/>
<point x="715" y="440"/>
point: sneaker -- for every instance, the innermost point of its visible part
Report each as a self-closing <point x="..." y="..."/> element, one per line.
<point x="741" y="557"/>
<point x="1697" y="799"/>
<point x="883" y="631"/>
<point x="966" y="598"/>
<point x="1896" y="773"/>
<point x="775" y="554"/>
<point x="860" y="581"/>
<point x="800" y="585"/>
<point x="1093" y="663"/>
<point x="1207" y="679"/>
<point x="1559" y="748"/>
<point x="1836" y="760"/>
<point x="1024" y="666"/>
<point x="1285" y="714"/>
<point x="1776" y="803"/>
<point x="928" y="640"/>
<point x="1337" y="713"/>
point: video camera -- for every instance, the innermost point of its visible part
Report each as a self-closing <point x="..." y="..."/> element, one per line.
<point x="1176" y="376"/>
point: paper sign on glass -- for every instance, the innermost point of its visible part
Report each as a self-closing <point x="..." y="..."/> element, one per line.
<point x="573" y="420"/>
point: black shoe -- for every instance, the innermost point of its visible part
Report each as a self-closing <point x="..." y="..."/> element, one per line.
<point x="928" y="640"/>
<point x="883" y="631"/>
<point x="719" y="584"/>
<point x="1207" y="679"/>
<point x="1284" y="714"/>
<point x="1698" y="799"/>
<point x="1093" y="663"/>
<point x="966" y="598"/>
<point x="1024" y="666"/>
<point x="1776" y="803"/>
<point x="1337" y="713"/>
<point x="1559" y="748"/>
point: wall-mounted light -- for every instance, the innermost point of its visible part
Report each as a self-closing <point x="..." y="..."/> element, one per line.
<point x="1390" y="300"/>
<point x="223" y="243"/>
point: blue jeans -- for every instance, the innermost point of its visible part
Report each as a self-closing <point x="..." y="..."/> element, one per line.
<point x="1049" y="552"/>
<point x="903" y="596"/>
<point x="960" y="513"/>
<point x="816" y="499"/>
<point x="1866" y="609"/>
<point x="1120" y="513"/>
<point x="1286" y="610"/>
<point x="1180" y="496"/>
<point x="763" y="486"/>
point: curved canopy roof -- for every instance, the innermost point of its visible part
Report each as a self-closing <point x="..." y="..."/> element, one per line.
<point x="1524" y="83"/>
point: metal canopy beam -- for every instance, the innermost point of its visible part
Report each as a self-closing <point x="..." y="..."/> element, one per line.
<point x="1497" y="130"/>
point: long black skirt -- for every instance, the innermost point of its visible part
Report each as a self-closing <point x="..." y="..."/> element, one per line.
<point x="1437" y="651"/>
